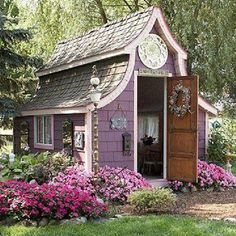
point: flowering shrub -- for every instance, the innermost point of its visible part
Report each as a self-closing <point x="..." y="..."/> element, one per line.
<point x="111" y="184"/>
<point x="32" y="201"/>
<point x="116" y="184"/>
<point x="209" y="175"/>
<point x="75" y="177"/>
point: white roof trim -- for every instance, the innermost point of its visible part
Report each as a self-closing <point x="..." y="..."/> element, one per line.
<point x="120" y="88"/>
<point x="70" y="110"/>
<point x="207" y="106"/>
<point x="179" y="53"/>
<point x="158" y="16"/>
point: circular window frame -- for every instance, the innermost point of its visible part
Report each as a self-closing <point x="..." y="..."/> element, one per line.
<point x="159" y="41"/>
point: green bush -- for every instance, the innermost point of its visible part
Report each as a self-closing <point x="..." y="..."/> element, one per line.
<point x="40" y="166"/>
<point x="217" y="145"/>
<point x="154" y="200"/>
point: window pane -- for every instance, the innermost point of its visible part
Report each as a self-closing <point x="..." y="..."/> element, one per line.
<point x="47" y="130"/>
<point x="39" y="129"/>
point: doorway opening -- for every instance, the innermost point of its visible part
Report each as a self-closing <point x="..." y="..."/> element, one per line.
<point x="150" y="124"/>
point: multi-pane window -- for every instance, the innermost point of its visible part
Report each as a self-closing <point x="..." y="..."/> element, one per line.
<point x="43" y="129"/>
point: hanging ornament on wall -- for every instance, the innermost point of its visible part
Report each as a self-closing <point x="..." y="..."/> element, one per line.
<point x="118" y="119"/>
<point x="182" y="109"/>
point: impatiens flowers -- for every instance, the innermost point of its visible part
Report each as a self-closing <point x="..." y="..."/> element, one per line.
<point x="72" y="193"/>
<point x="209" y="176"/>
<point x="112" y="184"/>
<point x="116" y="184"/>
<point x="31" y="201"/>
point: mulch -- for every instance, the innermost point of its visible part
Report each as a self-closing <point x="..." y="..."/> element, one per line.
<point x="203" y="204"/>
<point x="207" y="204"/>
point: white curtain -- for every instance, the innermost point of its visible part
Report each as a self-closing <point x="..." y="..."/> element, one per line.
<point x="148" y="124"/>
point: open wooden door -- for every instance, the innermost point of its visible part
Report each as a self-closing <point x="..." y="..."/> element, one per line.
<point x="182" y="131"/>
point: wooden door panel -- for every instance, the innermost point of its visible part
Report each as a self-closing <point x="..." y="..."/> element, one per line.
<point x="182" y="135"/>
<point x="177" y="167"/>
<point x="178" y="143"/>
<point x="177" y="123"/>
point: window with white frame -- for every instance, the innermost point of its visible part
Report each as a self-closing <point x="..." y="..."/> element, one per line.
<point x="43" y="129"/>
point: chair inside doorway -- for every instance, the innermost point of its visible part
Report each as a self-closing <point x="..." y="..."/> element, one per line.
<point x="150" y="159"/>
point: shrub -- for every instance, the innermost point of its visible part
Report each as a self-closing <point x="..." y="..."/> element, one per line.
<point x="159" y="199"/>
<point x="116" y="184"/>
<point x="217" y="145"/>
<point x="77" y="178"/>
<point x="40" y="166"/>
<point x="31" y="201"/>
<point x="209" y="176"/>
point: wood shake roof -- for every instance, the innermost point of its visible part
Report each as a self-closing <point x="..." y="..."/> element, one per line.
<point x="63" y="84"/>
<point x="109" y="37"/>
<point x="72" y="88"/>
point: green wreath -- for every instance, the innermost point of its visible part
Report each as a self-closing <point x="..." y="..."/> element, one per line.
<point x="181" y="110"/>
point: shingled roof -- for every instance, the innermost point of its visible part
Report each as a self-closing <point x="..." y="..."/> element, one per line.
<point x="111" y="36"/>
<point x="71" y="88"/>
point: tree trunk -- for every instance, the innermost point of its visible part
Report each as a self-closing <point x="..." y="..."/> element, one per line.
<point x="102" y="11"/>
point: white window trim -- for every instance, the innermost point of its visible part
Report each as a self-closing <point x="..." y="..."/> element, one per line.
<point x="42" y="145"/>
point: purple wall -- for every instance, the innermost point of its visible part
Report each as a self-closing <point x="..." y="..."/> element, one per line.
<point x="201" y="133"/>
<point x="110" y="141"/>
<point x="77" y="120"/>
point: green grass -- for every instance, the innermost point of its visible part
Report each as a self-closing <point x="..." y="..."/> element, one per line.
<point x="145" y="225"/>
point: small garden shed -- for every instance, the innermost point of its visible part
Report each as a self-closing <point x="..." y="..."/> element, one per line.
<point x="151" y="118"/>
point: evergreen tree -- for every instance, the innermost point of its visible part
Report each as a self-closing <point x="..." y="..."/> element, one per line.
<point x="15" y="69"/>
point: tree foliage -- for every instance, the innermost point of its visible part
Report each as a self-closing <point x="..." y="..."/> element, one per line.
<point x="15" y="67"/>
<point x="206" y="29"/>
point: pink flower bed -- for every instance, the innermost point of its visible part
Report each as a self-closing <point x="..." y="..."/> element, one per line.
<point x="76" y="178"/>
<point x="32" y="201"/>
<point x="116" y="184"/>
<point x="111" y="184"/>
<point x="209" y="175"/>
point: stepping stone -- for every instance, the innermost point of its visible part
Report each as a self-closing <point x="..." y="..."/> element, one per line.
<point x="230" y="220"/>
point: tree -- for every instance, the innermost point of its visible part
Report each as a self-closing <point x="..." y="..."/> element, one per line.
<point x="206" y="29"/>
<point x="15" y="68"/>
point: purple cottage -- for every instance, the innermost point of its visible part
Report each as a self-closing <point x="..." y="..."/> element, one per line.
<point x="151" y="118"/>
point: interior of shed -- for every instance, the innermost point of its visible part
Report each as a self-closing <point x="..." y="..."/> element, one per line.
<point x="150" y="126"/>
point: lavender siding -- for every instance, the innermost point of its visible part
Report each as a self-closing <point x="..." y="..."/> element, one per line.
<point x="78" y="120"/>
<point x="201" y="134"/>
<point x="110" y="141"/>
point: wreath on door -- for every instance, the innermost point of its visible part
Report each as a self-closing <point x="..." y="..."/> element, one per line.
<point x="182" y="109"/>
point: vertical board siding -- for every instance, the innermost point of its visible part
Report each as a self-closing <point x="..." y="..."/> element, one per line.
<point x="77" y="120"/>
<point x="201" y="134"/>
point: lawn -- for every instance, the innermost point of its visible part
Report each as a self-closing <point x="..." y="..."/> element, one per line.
<point x="145" y="225"/>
